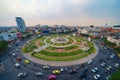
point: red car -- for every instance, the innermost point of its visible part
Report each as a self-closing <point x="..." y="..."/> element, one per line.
<point x="19" y="59"/>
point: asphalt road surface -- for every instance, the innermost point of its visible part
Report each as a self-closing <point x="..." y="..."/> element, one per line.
<point x="11" y="72"/>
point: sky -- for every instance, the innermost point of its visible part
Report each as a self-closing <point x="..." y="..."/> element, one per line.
<point x="60" y="12"/>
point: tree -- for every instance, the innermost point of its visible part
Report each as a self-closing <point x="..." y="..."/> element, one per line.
<point x="3" y="45"/>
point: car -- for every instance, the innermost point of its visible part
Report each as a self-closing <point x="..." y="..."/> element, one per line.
<point x="96" y="76"/>
<point x="63" y="69"/>
<point x="116" y="65"/>
<point x="105" y="47"/>
<point x="84" y="69"/>
<point x="56" y="72"/>
<point x="39" y="73"/>
<point x="89" y="62"/>
<point x="46" y="67"/>
<point x="107" y="77"/>
<point x="77" y="67"/>
<point x="16" y="50"/>
<point x="19" y="59"/>
<point x="81" y="65"/>
<point x="103" y="64"/>
<point x="109" y="68"/>
<point x="72" y="71"/>
<point x="13" y="54"/>
<point x="112" y="56"/>
<point x="22" y="74"/>
<point x="17" y="65"/>
<point x="52" y="77"/>
<point x="95" y="69"/>
<point x="26" y="61"/>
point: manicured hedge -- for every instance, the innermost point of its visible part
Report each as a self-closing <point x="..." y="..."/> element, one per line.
<point x="61" y="53"/>
<point x="67" y="58"/>
<point x="71" y="47"/>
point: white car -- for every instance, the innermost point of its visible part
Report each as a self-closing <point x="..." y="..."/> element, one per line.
<point x="89" y="62"/>
<point x="46" y="67"/>
<point x="96" y="76"/>
<point x="103" y="64"/>
<point x="95" y="69"/>
<point x="17" y="65"/>
<point x="112" y="56"/>
<point x="39" y="74"/>
<point x="116" y="65"/>
<point x="63" y="69"/>
<point x="107" y="77"/>
<point x="13" y="54"/>
<point x="109" y="68"/>
<point x="22" y="74"/>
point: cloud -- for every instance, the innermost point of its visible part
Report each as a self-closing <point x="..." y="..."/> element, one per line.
<point x="69" y="12"/>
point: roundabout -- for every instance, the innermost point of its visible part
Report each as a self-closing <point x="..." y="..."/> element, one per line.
<point x="32" y="65"/>
<point x="60" y="50"/>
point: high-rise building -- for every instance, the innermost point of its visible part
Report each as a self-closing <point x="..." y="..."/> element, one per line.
<point x="21" y="24"/>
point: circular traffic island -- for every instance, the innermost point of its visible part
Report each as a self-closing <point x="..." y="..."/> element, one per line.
<point x="60" y="48"/>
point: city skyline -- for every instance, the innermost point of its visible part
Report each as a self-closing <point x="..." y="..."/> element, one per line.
<point x="60" y="12"/>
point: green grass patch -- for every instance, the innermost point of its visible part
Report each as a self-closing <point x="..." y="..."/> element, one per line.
<point x="67" y="58"/>
<point x="57" y="54"/>
<point x="71" y="47"/>
<point x="116" y="75"/>
<point x="62" y="44"/>
<point x="51" y="48"/>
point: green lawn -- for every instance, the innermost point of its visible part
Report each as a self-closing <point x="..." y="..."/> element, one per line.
<point x="62" y="44"/>
<point x="61" y="53"/>
<point x="71" y="47"/>
<point x="116" y="75"/>
<point x="51" y="48"/>
<point x="68" y="58"/>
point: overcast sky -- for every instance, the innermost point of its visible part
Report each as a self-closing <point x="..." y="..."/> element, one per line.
<point x="61" y="12"/>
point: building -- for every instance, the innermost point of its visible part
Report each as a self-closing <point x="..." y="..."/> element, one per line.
<point x="117" y="26"/>
<point x="5" y="36"/>
<point x="21" y="24"/>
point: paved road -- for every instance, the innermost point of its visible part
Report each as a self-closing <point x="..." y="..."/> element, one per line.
<point x="11" y="72"/>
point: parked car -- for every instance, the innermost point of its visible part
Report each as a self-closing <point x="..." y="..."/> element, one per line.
<point x="96" y="76"/>
<point x="22" y="74"/>
<point x="95" y="69"/>
<point x="56" y="72"/>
